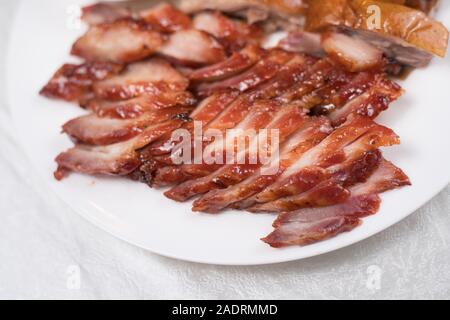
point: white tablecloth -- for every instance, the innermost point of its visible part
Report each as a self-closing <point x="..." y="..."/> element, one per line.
<point x="48" y="251"/>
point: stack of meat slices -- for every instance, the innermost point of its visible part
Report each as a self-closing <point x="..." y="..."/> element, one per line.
<point x="146" y="75"/>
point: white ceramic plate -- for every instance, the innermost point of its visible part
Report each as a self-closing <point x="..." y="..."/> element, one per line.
<point x="42" y="35"/>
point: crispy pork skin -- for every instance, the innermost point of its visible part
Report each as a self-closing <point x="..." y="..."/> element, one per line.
<point x="403" y="33"/>
<point x="425" y="5"/>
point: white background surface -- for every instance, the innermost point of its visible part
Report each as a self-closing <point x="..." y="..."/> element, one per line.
<point x="41" y="241"/>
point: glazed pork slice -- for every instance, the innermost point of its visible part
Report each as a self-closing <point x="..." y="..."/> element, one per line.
<point x="371" y="103"/>
<point x="318" y="83"/>
<point x="232" y="33"/>
<point x="158" y="154"/>
<point x="130" y="40"/>
<point x="311" y="225"/>
<point x="232" y="116"/>
<point x="341" y="88"/>
<point x="292" y="73"/>
<point x="121" y="41"/>
<point x="237" y="63"/>
<point x="310" y="168"/>
<point x="139" y="78"/>
<point x="262" y="71"/>
<point x="161" y="97"/>
<point x="116" y="159"/>
<point x="94" y="130"/>
<point x="74" y="82"/>
<point x="352" y="53"/>
<point x="342" y="95"/>
<point x="358" y="165"/>
<point x="298" y="77"/>
<point x="331" y="190"/>
<point x="301" y="41"/>
<point x="192" y="48"/>
<point x="166" y="18"/>
<point x="285" y="121"/>
<point x="306" y="233"/>
<point x="102" y="12"/>
<point x="261" y="113"/>
<point x="206" y="111"/>
<point x="309" y="134"/>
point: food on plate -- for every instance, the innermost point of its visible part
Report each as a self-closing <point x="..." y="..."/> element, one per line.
<point x="310" y="225"/>
<point x="278" y="11"/>
<point x="164" y="87"/>
<point x="404" y="34"/>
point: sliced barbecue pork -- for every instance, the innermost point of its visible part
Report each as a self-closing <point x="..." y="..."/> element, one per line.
<point x="311" y="225"/>
<point x="232" y="33"/>
<point x="160" y="97"/>
<point x="265" y="69"/>
<point x="166" y="18"/>
<point x="237" y="63"/>
<point x="308" y="134"/>
<point x="285" y="121"/>
<point x="139" y="78"/>
<point x="95" y="130"/>
<point x="310" y="168"/>
<point x="115" y="159"/>
<point x="121" y="41"/>
<point x="332" y="188"/>
<point x="102" y="12"/>
<point x="74" y="82"/>
<point x="148" y="73"/>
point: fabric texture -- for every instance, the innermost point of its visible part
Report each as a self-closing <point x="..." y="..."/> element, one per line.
<point x="47" y="251"/>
